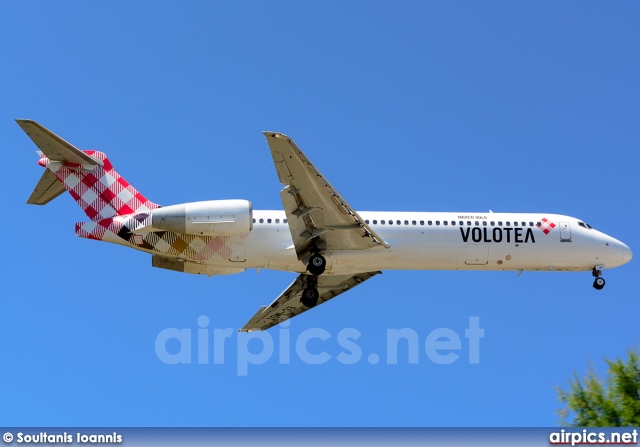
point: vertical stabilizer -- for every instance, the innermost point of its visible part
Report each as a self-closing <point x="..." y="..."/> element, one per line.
<point x="87" y="175"/>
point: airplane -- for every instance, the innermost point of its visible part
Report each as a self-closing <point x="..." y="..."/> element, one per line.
<point x="317" y="234"/>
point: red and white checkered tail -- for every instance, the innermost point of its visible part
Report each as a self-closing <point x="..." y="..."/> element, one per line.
<point x="87" y="175"/>
<point x="102" y="193"/>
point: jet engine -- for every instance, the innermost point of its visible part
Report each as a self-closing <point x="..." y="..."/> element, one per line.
<point x="208" y="218"/>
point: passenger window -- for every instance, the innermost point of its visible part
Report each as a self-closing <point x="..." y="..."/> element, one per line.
<point x="477" y="223"/>
<point x="538" y="224"/>
<point x="484" y="222"/>
<point x="461" y="223"/>
<point x="254" y="221"/>
<point x="382" y="222"/>
<point x="524" y="224"/>
<point x="277" y="220"/>
<point x="268" y="220"/>
<point x="422" y="222"/>
<point x="406" y="222"/>
<point x="430" y="222"/>
<point x="499" y="223"/>
<point x="493" y="224"/>
<point x="453" y="222"/>
<point x="530" y="224"/>
<point x="398" y="222"/>
<point x="445" y="222"/>
<point x="413" y="222"/>
<point x="437" y="222"/>
<point x="366" y="221"/>
<point x="285" y="221"/>
<point x="508" y="223"/>
<point x="261" y="220"/>
<point x="390" y="222"/>
<point x="468" y="223"/>
<point x="375" y="222"/>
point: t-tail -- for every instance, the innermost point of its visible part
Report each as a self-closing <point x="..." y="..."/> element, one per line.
<point x="87" y="175"/>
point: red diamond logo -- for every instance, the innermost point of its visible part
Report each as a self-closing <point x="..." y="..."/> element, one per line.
<point x="546" y="225"/>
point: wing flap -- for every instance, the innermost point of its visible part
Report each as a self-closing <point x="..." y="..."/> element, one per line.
<point x="288" y="304"/>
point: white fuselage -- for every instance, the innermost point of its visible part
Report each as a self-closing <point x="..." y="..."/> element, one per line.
<point x="437" y="241"/>
<point x="316" y="233"/>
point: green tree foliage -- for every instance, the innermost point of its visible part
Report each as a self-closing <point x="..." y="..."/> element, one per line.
<point x="611" y="403"/>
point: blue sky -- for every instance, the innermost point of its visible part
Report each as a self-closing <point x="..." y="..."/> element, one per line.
<point x="417" y="106"/>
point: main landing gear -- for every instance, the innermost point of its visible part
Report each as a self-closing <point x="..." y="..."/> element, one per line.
<point x="317" y="265"/>
<point x="599" y="282"/>
<point x="310" y="297"/>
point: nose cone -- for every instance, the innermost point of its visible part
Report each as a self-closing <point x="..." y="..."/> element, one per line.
<point x="621" y="250"/>
<point x="626" y="253"/>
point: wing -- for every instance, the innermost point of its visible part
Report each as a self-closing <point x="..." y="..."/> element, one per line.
<point x="315" y="210"/>
<point x="288" y="304"/>
<point x="47" y="189"/>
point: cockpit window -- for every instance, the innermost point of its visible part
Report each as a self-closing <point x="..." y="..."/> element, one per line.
<point x="585" y="225"/>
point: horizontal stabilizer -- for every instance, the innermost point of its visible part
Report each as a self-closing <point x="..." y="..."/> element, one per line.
<point x="47" y="189"/>
<point x="54" y="147"/>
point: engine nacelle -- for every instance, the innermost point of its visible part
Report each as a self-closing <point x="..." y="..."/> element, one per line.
<point x="208" y="218"/>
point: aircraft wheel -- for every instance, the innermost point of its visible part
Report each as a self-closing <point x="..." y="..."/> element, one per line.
<point x="317" y="264"/>
<point x="309" y="297"/>
<point x="599" y="283"/>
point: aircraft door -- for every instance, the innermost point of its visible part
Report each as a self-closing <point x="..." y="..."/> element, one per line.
<point x="565" y="232"/>
<point x="238" y="252"/>
<point x="477" y="255"/>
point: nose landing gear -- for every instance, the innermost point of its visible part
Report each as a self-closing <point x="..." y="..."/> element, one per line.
<point x="599" y="282"/>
